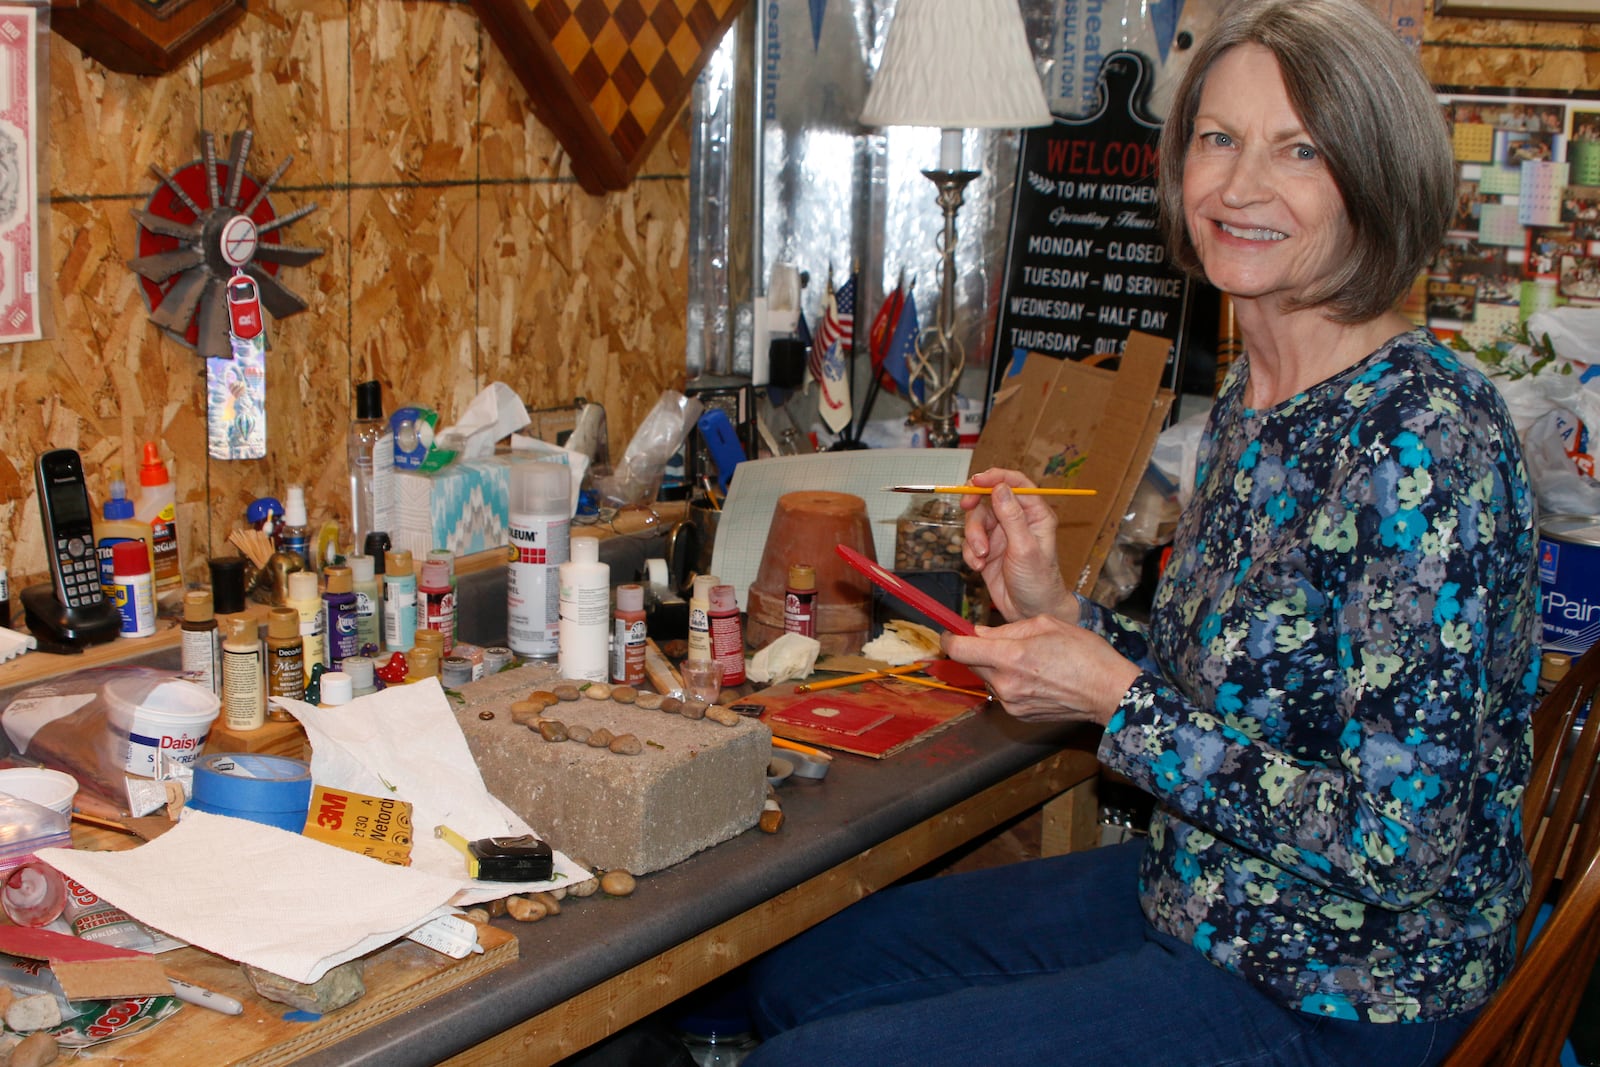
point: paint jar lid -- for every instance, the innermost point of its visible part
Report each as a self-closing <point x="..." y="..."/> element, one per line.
<point x="436" y="574"/>
<point x="422" y="663"/>
<point x="283" y="623"/>
<point x="723" y="598"/>
<point x="197" y="606"/>
<point x="338" y="577"/>
<point x="302" y="586"/>
<point x="360" y="669"/>
<point x="377" y="546"/>
<point x="585" y="550"/>
<point x="397" y="561"/>
<point x="433" y="640"/>
<point x="337" y="688"/>
<point x="130" y="557"/>
<point x="630" y="597"/>
<point x="802" y="577"/>
<point x="361" y="568"/>
<point x="542" y="488"/>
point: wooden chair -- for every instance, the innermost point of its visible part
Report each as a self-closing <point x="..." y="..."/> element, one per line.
<point x="1526" y="1023"/>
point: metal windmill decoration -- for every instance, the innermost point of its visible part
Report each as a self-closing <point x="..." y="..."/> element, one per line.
<point x="209" y="238"/>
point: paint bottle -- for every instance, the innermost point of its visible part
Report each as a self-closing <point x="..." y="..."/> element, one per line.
<point x="700" y="616"/>
<point x="540" y="531"/>
<point x="133" y="592"/>
<point x="585" y="608"/>
<point x="118" y="524"/>
<point x="201" y="652"/>
<point x="369" y="604"/>
<point x="436" y="602"/>
<point x="293" y="534"/>
<point x="157" y="508"/>
<point x="800" y="601"/>
<point x="399" y="602"/>
<point x="303" y="599"/>
<point x="341" y="641"/>
<point x="286" y="660"/>
<point x="363" y="680"/>
<point x="727" y="634"/>
<point x="371" y="454"/>
<point x="244" y="684"/>
<point x="628" y="636"/>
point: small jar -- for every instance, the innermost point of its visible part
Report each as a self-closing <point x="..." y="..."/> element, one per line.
<point x="928" y="535"/>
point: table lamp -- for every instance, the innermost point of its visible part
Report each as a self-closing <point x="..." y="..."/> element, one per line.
<point x="957" y="65"/>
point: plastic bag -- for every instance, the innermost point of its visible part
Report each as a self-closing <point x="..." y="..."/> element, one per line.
<point x="637" y="477"/>
<point x="1556" y="449"/>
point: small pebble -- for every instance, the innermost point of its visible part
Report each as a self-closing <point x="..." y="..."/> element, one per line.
<point x="726" y="716"/>
<point x="671" y="705"/>
<point x="543" y="697"/>
<point x="601" y="738"/>
<point x="597" y="691"/>
<point x="648" y="701"/>
<point x="585" y="888"/>
<point x="693" y="709"/>
<point x="567" y="691"/>
<point x="551" y="902"/>
<point x="553" y="730"/>
<point x="627" y="745"/>
<point x="617" y="883"/>
<point x="528" y="715"/>
<point x="524" y="910"/>
<point x="477" y="915"/>
<point x="579" y="732"/>
<point x="486" y="715"/>
<point x="624" y="694"/>
<point x="35" y="1050"/>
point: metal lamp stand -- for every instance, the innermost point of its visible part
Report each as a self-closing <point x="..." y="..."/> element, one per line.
<point x="940" y="357"/>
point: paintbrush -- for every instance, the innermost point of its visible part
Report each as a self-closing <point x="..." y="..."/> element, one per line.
<point x="979" y="490"/>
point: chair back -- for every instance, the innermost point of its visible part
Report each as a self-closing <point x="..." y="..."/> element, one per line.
<point x="1526" y="1023"/>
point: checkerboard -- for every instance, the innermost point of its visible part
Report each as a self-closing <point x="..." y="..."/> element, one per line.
<point x="607" y="76"/>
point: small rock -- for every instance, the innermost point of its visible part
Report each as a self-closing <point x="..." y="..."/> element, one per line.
<point x="567" y="691"/>
<point x="543" y="697"/>
<point x="586" y="888"/>
<point x="624" y="694"/>
<point x="627" y="745"/>
<point x="35" y="1050"/>
<point x="693" y="709"/>
<point x="551" y="902"/>
<point x="526" y="713"/>
<point x="648" y="701"/>
<point x="485" y="714"/>
<point x="553" y="730"/>
<point x="597" y="691"/>
<point x="601" y="738"/>
<point x="340" y="986"/>
<point x="671" y="705"/>
<point x="38" y="1012"/>
<point x="579" y="732"/>
<point x="725" y="716"/>
<point x="617" y="883"/>
<point x="524" y="910"/>
<point x="477" y="915"/>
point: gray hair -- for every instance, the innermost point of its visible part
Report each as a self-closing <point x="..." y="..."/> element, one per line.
<point x="1372" y="113"/>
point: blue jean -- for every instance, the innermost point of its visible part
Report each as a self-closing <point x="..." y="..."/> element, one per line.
<point x="1046" y="962"/>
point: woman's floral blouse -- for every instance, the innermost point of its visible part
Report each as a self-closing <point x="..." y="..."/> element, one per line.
<point x="1338" y="676"/>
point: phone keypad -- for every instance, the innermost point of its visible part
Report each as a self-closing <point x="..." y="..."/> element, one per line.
<point x="80" y="572"/>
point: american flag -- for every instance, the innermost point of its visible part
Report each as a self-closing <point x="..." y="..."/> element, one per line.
<point x="838" y="324"/>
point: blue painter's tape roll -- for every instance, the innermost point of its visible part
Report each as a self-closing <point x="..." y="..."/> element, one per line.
<point x="275" y="790"/>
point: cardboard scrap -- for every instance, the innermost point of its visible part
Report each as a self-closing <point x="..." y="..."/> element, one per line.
<point x="1065" y="423"/>
<point x="88" y="970"/>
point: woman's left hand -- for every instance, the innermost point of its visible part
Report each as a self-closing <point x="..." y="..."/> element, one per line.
<point x="1046" y="670"/>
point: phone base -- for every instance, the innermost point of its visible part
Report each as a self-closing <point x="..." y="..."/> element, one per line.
<point x="58" y="628"/>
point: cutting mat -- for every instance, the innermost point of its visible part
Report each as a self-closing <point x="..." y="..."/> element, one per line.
<point x="608" y="77"/>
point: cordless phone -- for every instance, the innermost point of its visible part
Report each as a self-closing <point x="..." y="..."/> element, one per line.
<point x="68" y="528"/>
<point x="70" y="611"/>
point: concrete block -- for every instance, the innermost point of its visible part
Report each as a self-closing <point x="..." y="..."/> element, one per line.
<point x="696" y="782"/>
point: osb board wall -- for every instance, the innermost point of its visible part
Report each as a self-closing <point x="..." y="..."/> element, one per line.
<point x="459" y="252"/>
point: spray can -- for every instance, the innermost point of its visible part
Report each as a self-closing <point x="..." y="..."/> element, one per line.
<point x="585" y="612"/>
<point x="339" y="618"/>
<point x="244" y="691"/>
<point x="628" y="636"/>
<point x="800" y="601"/>
<point x="436" y="602"/>
<point x="133" y="590"/>
<point x="286" y="659"/>
<point x="369" y="604"/>
<point x="540" y="531"/>
<point x="202" y="644"/>
<point x="727" y="634"/>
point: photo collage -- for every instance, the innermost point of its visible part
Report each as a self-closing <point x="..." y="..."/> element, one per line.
<point x="1526" y="231"/>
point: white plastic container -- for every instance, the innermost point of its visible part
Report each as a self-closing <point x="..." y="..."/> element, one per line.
<point x="175" y="717"/>
<point x="47" y="788"/>
<point x="585" y="607"/>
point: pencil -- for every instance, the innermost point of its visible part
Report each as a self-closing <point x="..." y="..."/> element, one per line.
<point x="806" y="750"/>
<point x="979" y="490"/>
<point x="932" y="684"/>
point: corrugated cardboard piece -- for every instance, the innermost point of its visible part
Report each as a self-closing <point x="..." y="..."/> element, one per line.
<point x="1065" y="423"/>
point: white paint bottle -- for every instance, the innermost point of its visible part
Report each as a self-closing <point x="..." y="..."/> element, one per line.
<point x="585" y="608"/>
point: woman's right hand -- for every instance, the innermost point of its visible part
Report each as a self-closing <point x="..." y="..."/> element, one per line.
<point x="1011" y="541"/>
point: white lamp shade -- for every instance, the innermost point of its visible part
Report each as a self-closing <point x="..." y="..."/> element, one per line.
<point x="957" y="64"/>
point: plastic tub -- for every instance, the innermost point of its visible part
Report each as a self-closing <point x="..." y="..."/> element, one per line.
<point x="47" y="788"/>
<point x="174" y="718"/>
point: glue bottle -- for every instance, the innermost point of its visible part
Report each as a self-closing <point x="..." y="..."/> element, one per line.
<point x="118" y="524"/>
<point x="585" y="612"/>
<point x="157" y="508"/>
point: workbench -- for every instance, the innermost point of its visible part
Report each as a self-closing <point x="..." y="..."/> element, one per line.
<point x="604" y="963"/>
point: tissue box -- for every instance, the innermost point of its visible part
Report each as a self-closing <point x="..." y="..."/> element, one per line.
<point x="465" y="507"/>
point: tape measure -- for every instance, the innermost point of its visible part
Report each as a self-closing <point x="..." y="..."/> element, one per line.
<point x="274" y="790"/>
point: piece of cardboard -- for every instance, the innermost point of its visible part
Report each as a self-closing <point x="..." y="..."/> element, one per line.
<point x="1066" y="423"/>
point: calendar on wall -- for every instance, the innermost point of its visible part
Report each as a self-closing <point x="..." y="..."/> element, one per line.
<point x="1526" y="230"/>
